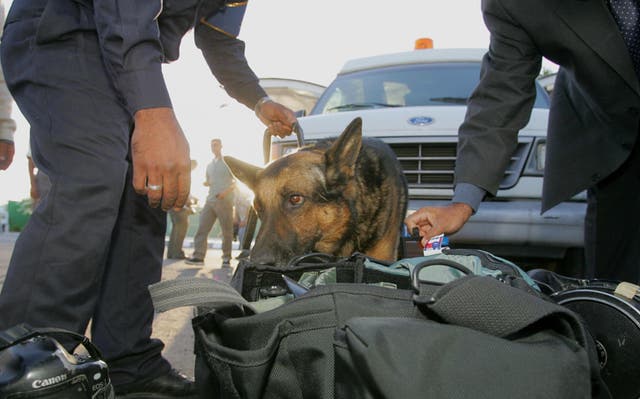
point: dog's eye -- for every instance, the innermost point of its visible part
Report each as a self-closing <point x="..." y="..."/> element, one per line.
<point x="296" y="199"/>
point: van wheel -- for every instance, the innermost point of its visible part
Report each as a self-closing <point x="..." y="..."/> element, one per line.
<point x="573" y="264"/>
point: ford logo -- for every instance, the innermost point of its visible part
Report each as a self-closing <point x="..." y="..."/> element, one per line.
<point x="421" y="120"/>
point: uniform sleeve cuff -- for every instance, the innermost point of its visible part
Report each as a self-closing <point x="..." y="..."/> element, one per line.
<point x="469" y="194"/>
<point x="250" y="94"/>
<point x="144" y="89"/>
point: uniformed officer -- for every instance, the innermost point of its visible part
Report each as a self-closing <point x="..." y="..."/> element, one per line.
<point x="87" y="76"/>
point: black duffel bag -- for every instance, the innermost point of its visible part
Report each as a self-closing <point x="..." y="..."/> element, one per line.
<point x="474" y="337"/>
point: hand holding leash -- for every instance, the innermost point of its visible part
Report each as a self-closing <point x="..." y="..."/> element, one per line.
<point x="278" y="118"/>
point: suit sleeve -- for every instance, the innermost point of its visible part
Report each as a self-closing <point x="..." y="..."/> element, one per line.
<point x="226" y="59"/>
<point x="502" y="102"/>
<point x="129" y="36"/>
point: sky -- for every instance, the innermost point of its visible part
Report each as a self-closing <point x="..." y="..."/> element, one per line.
<point x="296" y="39"/>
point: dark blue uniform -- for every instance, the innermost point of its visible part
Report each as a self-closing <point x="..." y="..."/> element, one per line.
<point x="79" y="70"/>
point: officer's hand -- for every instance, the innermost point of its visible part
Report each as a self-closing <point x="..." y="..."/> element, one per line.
<point x="161" y="163"/>
<point x="7" y="150"/>
<point x="278" y="118"/>
<point x="432" y="221"/>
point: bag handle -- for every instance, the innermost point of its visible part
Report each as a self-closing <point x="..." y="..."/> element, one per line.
<point x="491" y="306"/>
<point x="415" y="273"/>
<point x="24" y="332"/>
<point x="197" y="291"/>
<point x="318" y="256"/>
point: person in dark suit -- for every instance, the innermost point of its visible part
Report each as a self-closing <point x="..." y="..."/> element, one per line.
<point x="593" y="127"/>
<point x="87" y="75"/>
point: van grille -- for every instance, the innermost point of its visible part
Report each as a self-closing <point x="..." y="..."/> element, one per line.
<point x="432" y="165"/>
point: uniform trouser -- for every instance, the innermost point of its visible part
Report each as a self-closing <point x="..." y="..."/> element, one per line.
<point x="223" y="211"/>
<point x="93" y="246"/>
<point x="179" y="227"/>
<point x="612" y="224"/>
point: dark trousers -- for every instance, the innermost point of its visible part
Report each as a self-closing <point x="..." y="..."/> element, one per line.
<point x="612" y="224"/>
<point x="93" y="246"/>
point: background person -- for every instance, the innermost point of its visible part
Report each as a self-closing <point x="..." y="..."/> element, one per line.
<point x="117" y="160"/>
<point x="180" y="224"/>
<point x="240" y="215"/>
<point x="218" y="206"/>
<point x="594" y="121"/>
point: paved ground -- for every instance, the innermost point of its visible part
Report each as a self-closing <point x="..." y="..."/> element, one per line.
<point x="172" y="327"/>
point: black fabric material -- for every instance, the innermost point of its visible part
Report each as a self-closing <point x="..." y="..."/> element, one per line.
<point x="410" y="358"/>
<point x="611" y="247"/>
<point x="357" y="340"/>
<point x="466" y="302"/>
<point x="287" y="352"/>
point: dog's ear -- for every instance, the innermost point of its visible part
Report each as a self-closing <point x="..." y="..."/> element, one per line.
<point x="341" y="157"/>
<point x="245" y="172"/>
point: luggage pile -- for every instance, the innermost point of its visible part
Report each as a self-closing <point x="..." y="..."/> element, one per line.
<point x="460" y="324"/>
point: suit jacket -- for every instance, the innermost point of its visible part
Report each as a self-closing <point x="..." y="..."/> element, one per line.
<point x="594" y="118"/>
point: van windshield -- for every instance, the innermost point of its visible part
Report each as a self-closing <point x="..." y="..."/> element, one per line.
<point x="406" y="86"/>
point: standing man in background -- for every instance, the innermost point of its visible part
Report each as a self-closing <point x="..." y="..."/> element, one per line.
<point x="219" y="206"/>
<point x="180" y="224"/>
<point x="87" y="75"/>
<point x="594" y="121"/>
<point x="7" y="125"/>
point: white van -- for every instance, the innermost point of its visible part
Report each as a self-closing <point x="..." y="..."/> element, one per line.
<point x="415" y="101"/>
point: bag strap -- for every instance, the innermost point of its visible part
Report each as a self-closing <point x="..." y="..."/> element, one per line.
<point x="488" y="305"/>
<point x="316" y="257"/>
<point x="196" y="291"/>
<point x="23" y="332"/>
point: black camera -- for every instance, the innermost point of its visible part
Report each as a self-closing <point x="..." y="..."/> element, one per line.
<point x="34" y="364"/>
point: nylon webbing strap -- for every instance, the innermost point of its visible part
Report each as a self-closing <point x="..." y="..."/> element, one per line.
<point x="488" y="305"/>
<point x="14" y="334"/>
<point x="195" y="291"/>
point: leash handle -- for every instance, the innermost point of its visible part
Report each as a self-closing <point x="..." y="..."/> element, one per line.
<point x="266" y="146"/>
<point x="297" y="129"/>
<point x="266" y="140"/>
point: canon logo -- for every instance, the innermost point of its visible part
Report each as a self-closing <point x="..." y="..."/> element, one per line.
<point x="49" y="381"/>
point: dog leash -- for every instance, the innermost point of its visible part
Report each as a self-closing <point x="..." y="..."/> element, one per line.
<point x="266" y="140"/>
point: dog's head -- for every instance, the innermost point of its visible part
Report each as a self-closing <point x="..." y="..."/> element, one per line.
<point x="302" y="198"/>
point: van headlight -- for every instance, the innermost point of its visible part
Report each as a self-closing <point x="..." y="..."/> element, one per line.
<point x="541" y="152"/>
<point x="535" y="165"/>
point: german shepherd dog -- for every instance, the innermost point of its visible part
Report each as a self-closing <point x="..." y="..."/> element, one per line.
<point x="336" y="197"/>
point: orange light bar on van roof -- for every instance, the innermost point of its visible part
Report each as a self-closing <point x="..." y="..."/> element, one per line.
<point x="423" y="43"/>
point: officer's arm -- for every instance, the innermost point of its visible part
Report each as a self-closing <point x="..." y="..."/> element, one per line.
<point x="129" y="37"/>
<point x="225" y="56"/>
